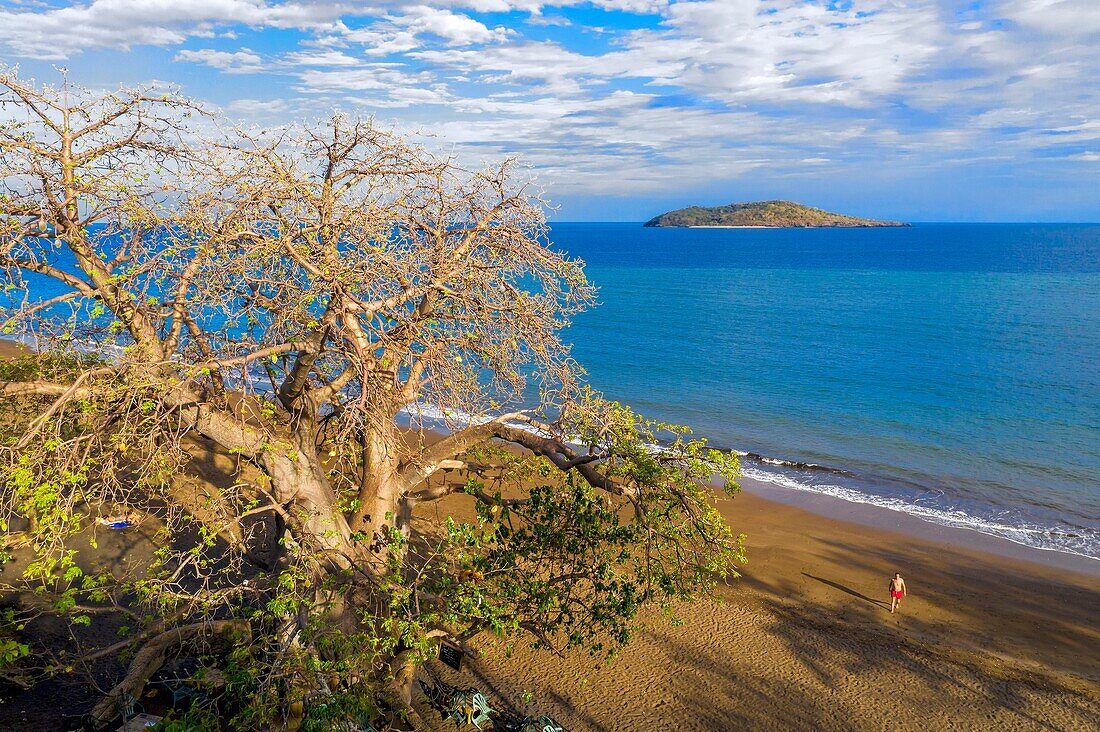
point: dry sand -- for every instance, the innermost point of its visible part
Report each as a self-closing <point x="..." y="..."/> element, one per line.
<point x="805" y="640"/>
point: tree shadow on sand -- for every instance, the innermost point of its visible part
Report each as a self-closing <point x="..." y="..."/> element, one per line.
<point x="938" y="678"/>
<point x="960" y="655"/>
<point x="849" y="590"/>
<point x="1065" y="640"/>
<point x="858" y="671"/>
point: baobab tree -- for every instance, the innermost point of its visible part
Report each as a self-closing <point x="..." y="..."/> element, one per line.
<point x="239" y="335"/>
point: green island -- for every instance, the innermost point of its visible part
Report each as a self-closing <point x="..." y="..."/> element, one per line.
<point x="769" y="214"/>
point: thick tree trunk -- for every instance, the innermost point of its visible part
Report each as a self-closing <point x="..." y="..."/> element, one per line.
<point x="380" y="495"/>
<point x="298" y="478"/>
<point x="402" y="688"/>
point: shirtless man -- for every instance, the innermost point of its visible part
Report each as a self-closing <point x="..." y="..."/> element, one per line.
<point x="897" y="591"/>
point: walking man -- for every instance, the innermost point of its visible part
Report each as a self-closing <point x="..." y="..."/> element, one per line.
<point x="897" y="591"/>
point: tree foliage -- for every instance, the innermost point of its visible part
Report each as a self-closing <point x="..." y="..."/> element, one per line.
<point x="238" y="335"/>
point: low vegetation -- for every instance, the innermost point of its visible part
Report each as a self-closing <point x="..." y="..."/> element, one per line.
<point x="777" y="214"/>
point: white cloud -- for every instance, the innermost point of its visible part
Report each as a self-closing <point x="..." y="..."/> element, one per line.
<point x="411" y="96"/>
<point x="254" y="108"/>
<point x="61" y="32"/>
<point x="417" y="25"/>
<point x="1068" y="18"/>
<point x="453" y="28"/>
<point x="536" y="6"/>
<point x="548" y="20"/>
<point x="238" y="62"/>
<point x="379" y="77"/>
<point x="789" y="51"/>
<point x="320" y="58"/>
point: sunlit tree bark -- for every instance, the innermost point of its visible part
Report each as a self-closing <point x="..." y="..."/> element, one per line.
<point x="292" y="303"/>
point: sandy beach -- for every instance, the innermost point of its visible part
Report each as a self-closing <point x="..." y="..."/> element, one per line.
<point x="359" y="357"/>
<point x="804" y="640"/>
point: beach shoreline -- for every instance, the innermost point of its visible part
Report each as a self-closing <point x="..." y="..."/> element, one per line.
<point x="887" y="519"/>
<point x="804" y="640"/>
<point x="880" y="517"/>
<point x="993" y="635"/>
<point x="853" y="515"/>
<point x="984" y="641"/>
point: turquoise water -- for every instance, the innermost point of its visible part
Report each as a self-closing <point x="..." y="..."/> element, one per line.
<point x="949" y="371"/>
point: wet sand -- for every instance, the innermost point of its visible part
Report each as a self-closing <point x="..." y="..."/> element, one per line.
<point x="804" y="640"/>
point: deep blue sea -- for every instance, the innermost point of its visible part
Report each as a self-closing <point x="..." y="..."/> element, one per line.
<point x="951" y="371"/>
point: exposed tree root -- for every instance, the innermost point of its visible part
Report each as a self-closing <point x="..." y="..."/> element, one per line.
<point x="152" y="656"/>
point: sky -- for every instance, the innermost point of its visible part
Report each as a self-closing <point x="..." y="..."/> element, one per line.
<point x="923" y="110"/>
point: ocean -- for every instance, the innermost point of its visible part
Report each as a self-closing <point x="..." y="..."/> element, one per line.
<point x="949" y="371"/>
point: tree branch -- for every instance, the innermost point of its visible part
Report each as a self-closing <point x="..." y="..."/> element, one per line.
<point x="563" y="456"/>
<point x="41" y="388"/>
<point x="152" y="656"/>
<point x="76" y="390"/>
<point x="428" y="462"/>
<point x="71" y="280"/>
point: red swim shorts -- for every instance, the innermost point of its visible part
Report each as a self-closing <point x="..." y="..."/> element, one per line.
<point x="896" y="594"/>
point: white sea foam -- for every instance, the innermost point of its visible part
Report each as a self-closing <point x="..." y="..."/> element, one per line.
<point x="1080" y="543"/>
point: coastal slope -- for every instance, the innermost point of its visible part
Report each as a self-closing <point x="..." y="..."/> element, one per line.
<point x="770" y="214"/>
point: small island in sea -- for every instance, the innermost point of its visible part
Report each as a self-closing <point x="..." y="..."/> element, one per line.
<point x="763" y="214"/>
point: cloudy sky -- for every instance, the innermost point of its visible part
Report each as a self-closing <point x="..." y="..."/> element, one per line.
<point x="928" y="110"/>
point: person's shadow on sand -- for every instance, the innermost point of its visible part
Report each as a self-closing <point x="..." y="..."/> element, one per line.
<point x="849" y="590"/>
